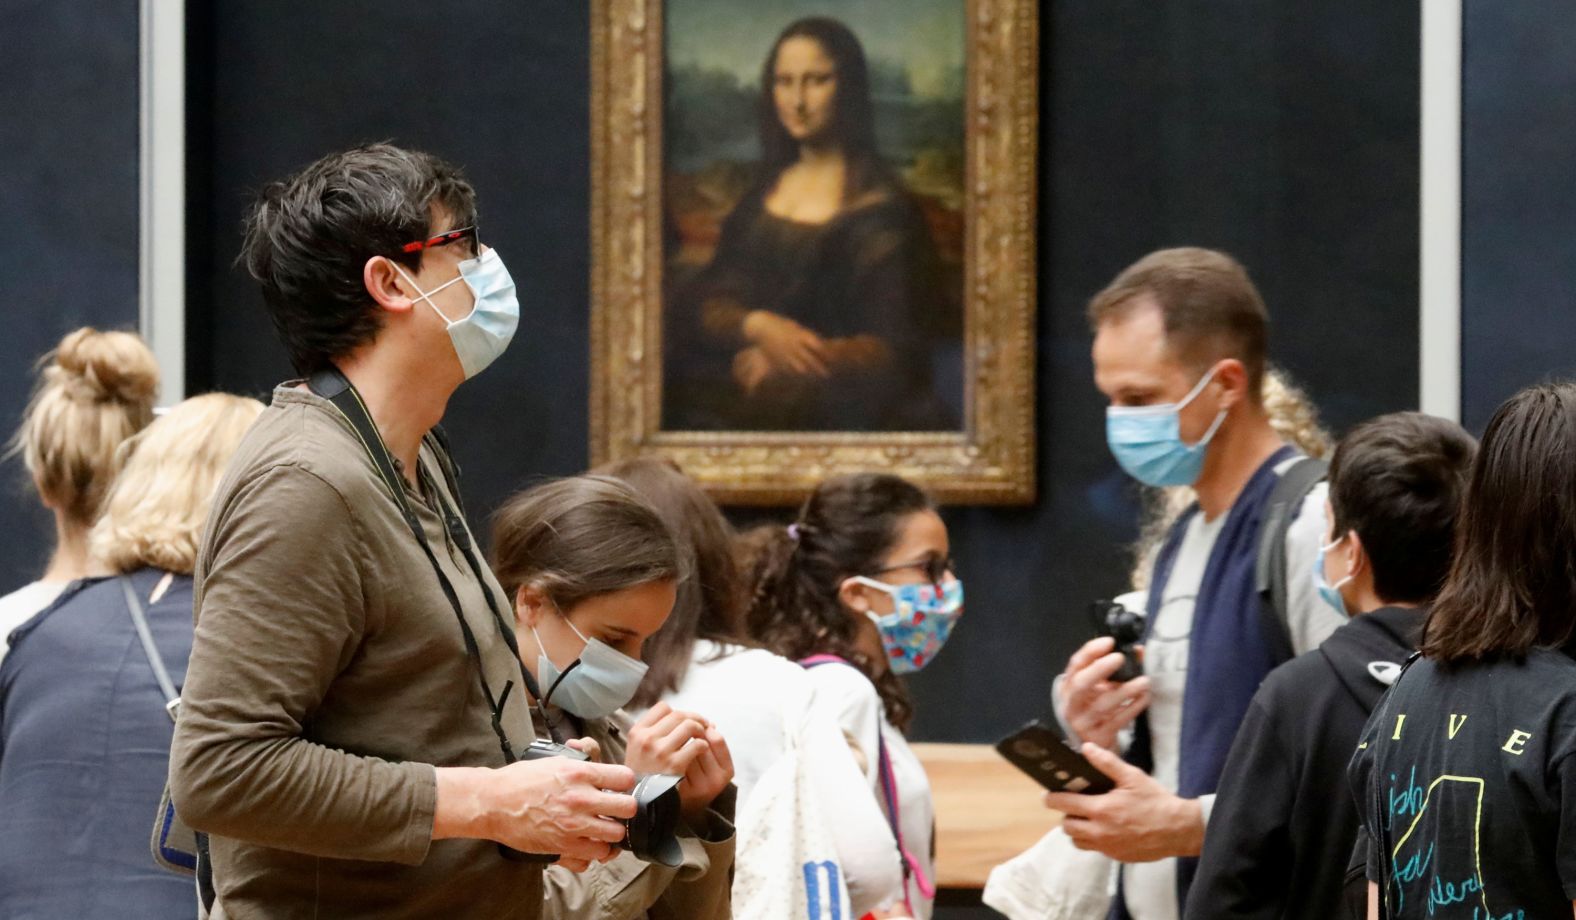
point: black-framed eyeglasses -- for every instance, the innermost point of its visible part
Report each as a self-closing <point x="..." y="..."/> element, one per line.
<point x="442" y="239"/>
<point x="935" y="568"/>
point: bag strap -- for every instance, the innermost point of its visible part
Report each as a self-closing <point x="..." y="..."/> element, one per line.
<point x="1270" y="576"/>
<point x="333" y="386"/>
<point x="888" y="780"/>
<point x="139" y="619"/>
<point x="172" y="705"/>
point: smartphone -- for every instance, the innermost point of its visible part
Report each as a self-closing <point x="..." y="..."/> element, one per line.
<point x="1038" y="750"/>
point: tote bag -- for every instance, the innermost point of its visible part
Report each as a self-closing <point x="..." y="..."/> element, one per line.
<point x="787" y="866"/>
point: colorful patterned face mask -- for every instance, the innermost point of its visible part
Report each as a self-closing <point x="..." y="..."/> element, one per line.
<point x="922" y="618"/>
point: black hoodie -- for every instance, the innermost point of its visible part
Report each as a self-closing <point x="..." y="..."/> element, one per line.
<point x="1280" y="836"/>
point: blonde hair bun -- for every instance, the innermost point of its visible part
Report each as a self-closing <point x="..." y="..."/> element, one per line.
<point x="95" y="390"/>
<point x="94" y="366"/>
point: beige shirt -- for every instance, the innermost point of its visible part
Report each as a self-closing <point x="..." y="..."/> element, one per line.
<point x="328" y="677"/>
<point x="627" y="888"/>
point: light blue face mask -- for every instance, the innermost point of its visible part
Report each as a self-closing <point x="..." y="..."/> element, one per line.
<point x="1330" y="593"/>
<point x="1147" y="440"/>
<point x="596" y="684"/>
<point x="482" y="335"/>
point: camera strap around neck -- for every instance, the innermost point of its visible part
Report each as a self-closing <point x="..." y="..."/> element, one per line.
<point x="333" y="386"/>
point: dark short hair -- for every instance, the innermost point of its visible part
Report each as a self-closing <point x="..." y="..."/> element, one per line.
<point x="1512" y="586"/>
<point x="581" y="537"/>
<point x="1397" y="480"/>
<point x="309" y="237"/>
<point x="710" y="603"/>
<point x="844" y="528"/>
<point x="1209" y="305"/>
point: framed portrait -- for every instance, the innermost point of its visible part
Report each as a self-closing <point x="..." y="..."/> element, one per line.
<point x="813" y="242"/>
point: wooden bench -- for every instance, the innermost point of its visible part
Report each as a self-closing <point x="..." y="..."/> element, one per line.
<point x="987" y="811"/>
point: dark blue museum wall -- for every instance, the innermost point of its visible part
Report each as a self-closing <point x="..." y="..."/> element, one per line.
<point x="1518" y="200"/>
<point x="68" y="193"/>
<point x="1285" y="133"/>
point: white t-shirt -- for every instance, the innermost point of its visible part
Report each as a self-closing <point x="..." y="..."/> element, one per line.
<point x="741" y="689"/>
<point x="1150" y="888"/>
<point x="19" y="606"/>
<point x="863" y="719"/>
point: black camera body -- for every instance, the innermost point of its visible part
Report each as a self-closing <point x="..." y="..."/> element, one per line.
<point x="652" y="834"/>
<point x="1127" y="628"/>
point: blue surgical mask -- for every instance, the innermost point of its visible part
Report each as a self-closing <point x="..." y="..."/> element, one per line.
<point x="1147" y="440"/>
<point x="922" y="618"/>
<point x="596" y="685"/>
<point x="1330" y="593"/>
<point x="480" y="336"/>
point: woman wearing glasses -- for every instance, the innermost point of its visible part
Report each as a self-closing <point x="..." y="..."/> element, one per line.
<point x="860" y="590"/>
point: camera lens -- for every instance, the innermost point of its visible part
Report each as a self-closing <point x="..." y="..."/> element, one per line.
<point x="1030" y="748"/>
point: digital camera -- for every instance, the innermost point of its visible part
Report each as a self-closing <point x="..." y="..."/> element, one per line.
<point x="1127" y="628"/>
<point x="652" y="834"/>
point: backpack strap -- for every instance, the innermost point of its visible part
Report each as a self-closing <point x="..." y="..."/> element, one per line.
<point x="1270" y="575"/>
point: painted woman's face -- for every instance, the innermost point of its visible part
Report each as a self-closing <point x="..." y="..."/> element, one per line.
<point x="804" y="88"/>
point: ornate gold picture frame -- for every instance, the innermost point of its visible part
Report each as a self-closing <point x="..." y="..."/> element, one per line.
<point x="979" y="451"/>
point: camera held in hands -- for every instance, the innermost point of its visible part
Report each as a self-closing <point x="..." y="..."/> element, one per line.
<point x="1113" y="619"/>
<point x="652" y="834"/>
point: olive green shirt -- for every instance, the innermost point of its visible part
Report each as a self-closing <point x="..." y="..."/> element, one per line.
<point x="328" y="677"/>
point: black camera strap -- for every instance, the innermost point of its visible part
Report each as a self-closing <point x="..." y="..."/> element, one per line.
<point x="333" y="386"/>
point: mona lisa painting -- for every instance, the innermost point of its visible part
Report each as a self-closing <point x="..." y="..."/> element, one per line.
<point x="813" y="241"/>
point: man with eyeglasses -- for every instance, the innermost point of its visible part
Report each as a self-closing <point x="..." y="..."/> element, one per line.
<point x="355" y="703"/>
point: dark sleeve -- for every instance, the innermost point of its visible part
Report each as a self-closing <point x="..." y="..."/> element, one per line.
<point x="1562" y="774"/>
<point x="1354" y="887"/>
<point x="716" y="302"/>
<point x="1247" y="845"/>
<point x="1357" y="776"/>
<point x="895" y="278"/>
<point x="281" y="612"/>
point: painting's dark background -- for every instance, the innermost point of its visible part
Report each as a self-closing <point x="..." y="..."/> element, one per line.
<point x="1285" y="133"/>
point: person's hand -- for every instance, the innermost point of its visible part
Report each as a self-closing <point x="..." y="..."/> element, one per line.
<point x="751" y="367"/>
<point x="707" y="776"/>
<point x="1138" y="821"/>
<point x="678" y="743"/>
<point x="586" y="746"/>
<point x="790" y="347"/>
<point x="1093" y="705"/>
<point x="554" y="805"/>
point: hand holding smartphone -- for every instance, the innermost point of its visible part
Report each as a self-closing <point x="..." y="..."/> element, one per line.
<point x="1038" y="750"/>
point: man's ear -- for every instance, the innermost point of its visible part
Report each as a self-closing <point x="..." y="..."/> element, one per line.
<point x="1356" y="554"/>
<point x="1232" y="377"/>
<point x="854" y="596"/>
<point x="529" y="606"/>
<point x="386" y="286"/>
